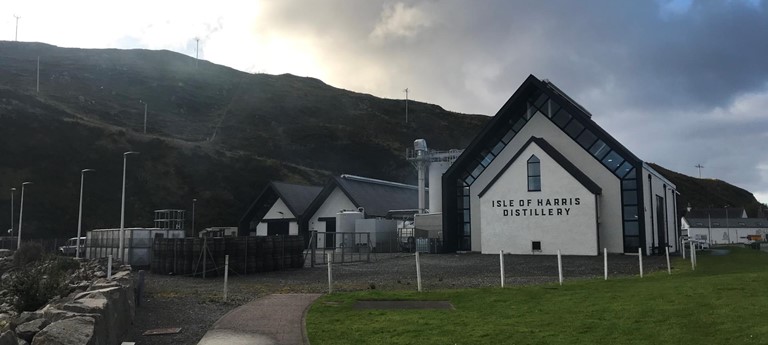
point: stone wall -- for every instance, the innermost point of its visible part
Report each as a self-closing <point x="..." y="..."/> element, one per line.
<point x="96" y="311"/>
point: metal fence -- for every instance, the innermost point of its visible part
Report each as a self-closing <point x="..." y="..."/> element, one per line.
<point x="50" y="245"/>
<point x="349" y="247"/>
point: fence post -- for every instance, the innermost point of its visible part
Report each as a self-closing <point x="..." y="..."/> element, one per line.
<point x="605" y="262"/>
<point x="418" y="272"/>
<point x="109" y="266"/>
<point x="693" y="256"/>
<point x="330" y="273"/>
<point x="640" y="257"/>
<point x="682" y="246"/>
<point x="312" y="248"/>
<point x="501" y="265"/>
<point x="205" y="253"/>
<point x="226" y="275"/>
<point x="669" y="267"/>
<point x="560" y="267"/>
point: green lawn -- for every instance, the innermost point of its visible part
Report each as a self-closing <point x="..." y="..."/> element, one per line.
<point x="725" y="301"/>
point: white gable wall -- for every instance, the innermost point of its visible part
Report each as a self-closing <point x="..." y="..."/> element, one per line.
<point x="335" y="202"/>
<point x="278" y="206"/>
<point x="610" y="220"/>
<point x="508" y="226"/>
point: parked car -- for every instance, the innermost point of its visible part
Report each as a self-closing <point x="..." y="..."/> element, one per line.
<point x="70" y="247"/>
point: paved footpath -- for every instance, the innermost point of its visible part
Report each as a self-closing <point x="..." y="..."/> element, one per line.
<point x="271" y="320"/>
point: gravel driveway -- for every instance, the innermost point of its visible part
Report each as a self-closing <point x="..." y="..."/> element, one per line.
<point x="194" y="304"/>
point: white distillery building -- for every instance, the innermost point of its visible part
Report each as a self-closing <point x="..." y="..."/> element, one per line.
<point x="278" y="210"/>
<point x="542" y="176"/>
<point x="723" y="226"/>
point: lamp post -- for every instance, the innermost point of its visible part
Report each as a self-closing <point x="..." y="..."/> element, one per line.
<point x="193" y="217"/>
<point x="10" y="233"/>
<point x="121" y="241"/>
<point x="21" y="213"/>
<point x="80" y="213"/>
<point x="145" y="115"/>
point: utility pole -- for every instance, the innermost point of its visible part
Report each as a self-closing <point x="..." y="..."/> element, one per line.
<point x="16" y="38"/>
<point x="699" y="166"/>
<point x="197" y="50"/>
<point x="406" y="104"/>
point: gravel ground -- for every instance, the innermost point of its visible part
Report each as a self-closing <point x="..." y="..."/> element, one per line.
<point x="194" y="304"/>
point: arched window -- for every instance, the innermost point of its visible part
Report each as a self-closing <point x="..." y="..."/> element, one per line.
<point x="534" y="174"/>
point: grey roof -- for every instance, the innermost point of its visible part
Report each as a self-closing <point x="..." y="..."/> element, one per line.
<point x="715" y="212"/>
<point x="727" y="223"/>
<point x="558" y="157"/>
<point x="296" y="197"/>
<point x="377" y="197"/>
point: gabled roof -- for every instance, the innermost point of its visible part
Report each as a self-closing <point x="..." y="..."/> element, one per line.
<point x="296" y="197"/>
<point x="376" y="197"/>
<point x="734" y="223"/>
<point x="558" y="157"/>
<point x="717" y="212"/>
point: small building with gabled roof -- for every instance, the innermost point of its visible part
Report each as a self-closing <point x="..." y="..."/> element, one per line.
<point x="278" y="210"/>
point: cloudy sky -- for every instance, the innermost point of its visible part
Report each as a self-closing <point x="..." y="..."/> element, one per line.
<point x="679" y="82"/>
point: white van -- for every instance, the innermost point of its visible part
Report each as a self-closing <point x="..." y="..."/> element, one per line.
<point x="70" y="247"/>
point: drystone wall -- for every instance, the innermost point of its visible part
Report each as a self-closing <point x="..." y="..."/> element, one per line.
<point x="95" y="312"/>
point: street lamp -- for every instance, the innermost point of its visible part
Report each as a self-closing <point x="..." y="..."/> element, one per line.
<point x="145" y="115"/>
<point x="121" y="247"/>
<point x="10" y="233"/>
<point x="80" y="213"/>
<point x="193" y="217"/>
<point x="21" y="213"/>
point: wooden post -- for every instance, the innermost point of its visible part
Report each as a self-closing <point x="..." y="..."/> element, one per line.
<point x="605" y="262"/>
<point x="669" y="267"/>
<point x="501" y="266"/>
<point x="418" y="272"/>
<point x="640" y="257"/>
<point x="330" y="273"/>
<point x="560" y="267"/>
<point x="226" y="275"/>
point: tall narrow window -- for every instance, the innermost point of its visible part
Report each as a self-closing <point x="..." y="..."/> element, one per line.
<point x="534" y="174"/>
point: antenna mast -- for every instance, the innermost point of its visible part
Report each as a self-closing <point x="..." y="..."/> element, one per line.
<point x="406" y="104"/>
<point x="16" y="38"/>
<point x="700" y="167"/>
<point x="197" y="50"/>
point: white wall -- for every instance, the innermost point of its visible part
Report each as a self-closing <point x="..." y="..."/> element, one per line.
<point x="335" y="202"/>
<point x="726" y="235"/>
<point x="571" y="228"/>
<point x="278" y="206"/>
<point x="650" y="205"/>
<point x="610" y="222"/>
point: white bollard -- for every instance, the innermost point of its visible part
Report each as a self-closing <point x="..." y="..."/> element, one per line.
<point x="640" y="256"/>
<point x="669" y="267"/>
<point x="418" y="272"/>
<point x="693" y="257"/>
<point x="682" y="245"/>
<point x="560" y="267"/>
<point x="605" y="262"/>
<point x="226" y="275"/>
<point x="109" y="266"/>
<point x="330" y="273"/>
<point x="501" y="265"/>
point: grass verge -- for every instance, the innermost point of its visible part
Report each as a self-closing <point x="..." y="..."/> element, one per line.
<point x="722" y="302"/>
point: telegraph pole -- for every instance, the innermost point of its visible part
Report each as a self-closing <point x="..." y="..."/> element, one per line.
<point x="406" y="104"/>
<point x="16" y="38"/>
<point x="699" y="166"/>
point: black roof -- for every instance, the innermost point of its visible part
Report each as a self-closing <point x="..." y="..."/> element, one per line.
<point x="296" y="197"/>
<point x="727" y="222"/>
<point x="558" y="157"/>
<point x="716" y="212"/>
<point x="376" y="197"/>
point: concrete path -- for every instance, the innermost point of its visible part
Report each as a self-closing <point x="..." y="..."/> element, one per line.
<point x="271" y="320"/>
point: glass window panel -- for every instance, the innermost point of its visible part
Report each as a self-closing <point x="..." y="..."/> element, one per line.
<point x="631" y="228"/>
<point x="467" y="229"/>
<point x="629" y="184"/>
<point x="612" y="160"/>
<point x="466" y="190"/>
<point x="519" y="125"/>
<point x="540" y="101"/>
<point x="574" y="128"/>
<point x="630" y="212"/>
<point x="561" y="118"/>
<point x="550" y="108"/>
<point x="630" y="197"/>
<point x="465" y="214"/>
<point x="534" y="184"/>
<point x="534" y="169"/>
<point x="497" y="149"/>
<point x="631" y="243"/>
<point x="478" y="170"/>
<point x="586" y="139"/>
<point x="487" y="158"/>
<point x="599" y="149"/>
<point x="465" y="243"/>
<point x="469" y="180"/>
<point x="507" y="137"/>
<point x="631" y="174"/>
<point x="465" y="202"/>
<point x="624" y="169"/>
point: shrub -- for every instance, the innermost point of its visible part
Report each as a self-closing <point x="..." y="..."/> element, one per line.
<point x="28" y="252"/>
<point x="35" y="283"/>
